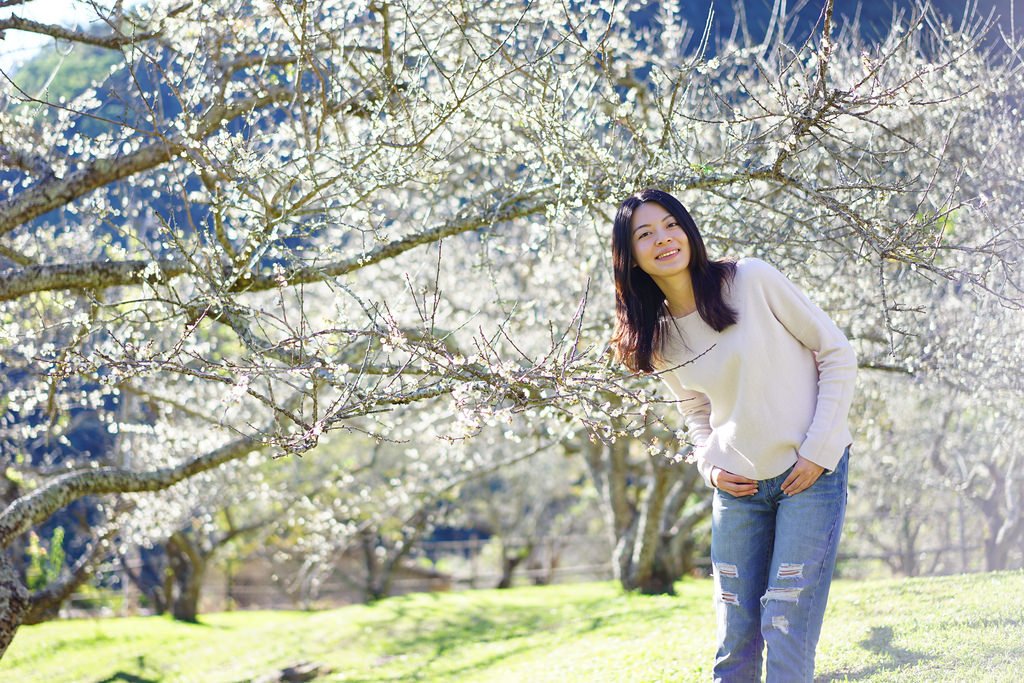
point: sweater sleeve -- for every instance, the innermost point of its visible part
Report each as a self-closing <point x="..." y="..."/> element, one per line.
<point x="834" y="357"/>
<point x="696" y="410"/>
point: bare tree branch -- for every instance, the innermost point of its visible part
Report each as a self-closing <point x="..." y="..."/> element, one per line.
<point x="46" y="602"/>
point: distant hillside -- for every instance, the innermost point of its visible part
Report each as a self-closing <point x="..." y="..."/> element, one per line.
<point x="55" y="74"/>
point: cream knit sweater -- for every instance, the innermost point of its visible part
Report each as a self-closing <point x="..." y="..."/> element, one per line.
<point x="777" y="383"/>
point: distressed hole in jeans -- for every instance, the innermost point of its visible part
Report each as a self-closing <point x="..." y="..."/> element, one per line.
<point x="726" y="569"/>
<point x="730" y="598"/>
<point x="781" y="624"/>
<point x="791" y="571"/>
<point x="783" y="594"/>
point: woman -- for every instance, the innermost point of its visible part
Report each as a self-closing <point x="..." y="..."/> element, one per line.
<point x="764" y="380"/>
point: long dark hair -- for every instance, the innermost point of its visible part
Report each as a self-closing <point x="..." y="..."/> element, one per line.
<point x="640" y="310"/>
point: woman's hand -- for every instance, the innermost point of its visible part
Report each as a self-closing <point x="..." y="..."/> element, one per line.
<point x="804" y="474"/>
<point x="734" y="484"/>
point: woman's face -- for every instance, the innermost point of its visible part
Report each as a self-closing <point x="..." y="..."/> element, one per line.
<point x="660" y="246"/>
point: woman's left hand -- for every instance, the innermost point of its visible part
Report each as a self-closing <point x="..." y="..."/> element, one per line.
<point x="803" y="476"/>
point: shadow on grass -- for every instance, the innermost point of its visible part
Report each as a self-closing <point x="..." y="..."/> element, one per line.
<point x="440" y="636"/>
<point x="878" y="642"/>
<point x="124" y="677"/>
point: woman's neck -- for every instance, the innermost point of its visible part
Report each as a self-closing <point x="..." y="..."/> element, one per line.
<point x="678" y="291"/>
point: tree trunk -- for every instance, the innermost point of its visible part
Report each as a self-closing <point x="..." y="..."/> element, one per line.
<point x="649" y="575"/>
<point x="158" y="595"/>
<point x="681" y="549"/>
<point x="554" y="558"/>
<point x="510" y="561"/>
<point x="383" y="558"/>
<point x="1005" y="532"/>
<point x="998" y="525"/>
<point x="908" y="544"/>
<point x="679" y="521"/>
<point x="186" y="599"/>
<point x="189" y="566"/>
<point x="995" y="554"/>
<point x="508" y="567"/>
<point x="645" y="554"/>
<point x="14" y="602"/>
<point x="373" y="589"/>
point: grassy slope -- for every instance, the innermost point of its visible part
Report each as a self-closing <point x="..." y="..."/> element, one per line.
<point x="963" y="628"/>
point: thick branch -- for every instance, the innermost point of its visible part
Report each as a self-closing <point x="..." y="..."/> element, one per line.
<point x="96" y="275"/>
<point x="650" y="527"/>
<point x="46" y="196"/>
<point x="187" y="548"/>
<point x="26" y="161"/>
<point x="14" y="256"/>
<point x="29" y="510"/>
<point x="54" y="193"/>
<point x="526" y="204"/>
<point x="235" y="532"/>
<point x="113" y="41"/>
<point x="99" y="275"/>
<point x="17" y="282"/>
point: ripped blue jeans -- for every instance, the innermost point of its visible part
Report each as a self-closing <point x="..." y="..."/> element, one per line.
<point x="773" y="557"/>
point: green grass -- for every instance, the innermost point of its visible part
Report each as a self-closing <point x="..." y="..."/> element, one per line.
<point x="958" y="628"/>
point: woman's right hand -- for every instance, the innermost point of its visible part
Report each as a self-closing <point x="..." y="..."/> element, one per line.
<point x="733" y="484"/>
